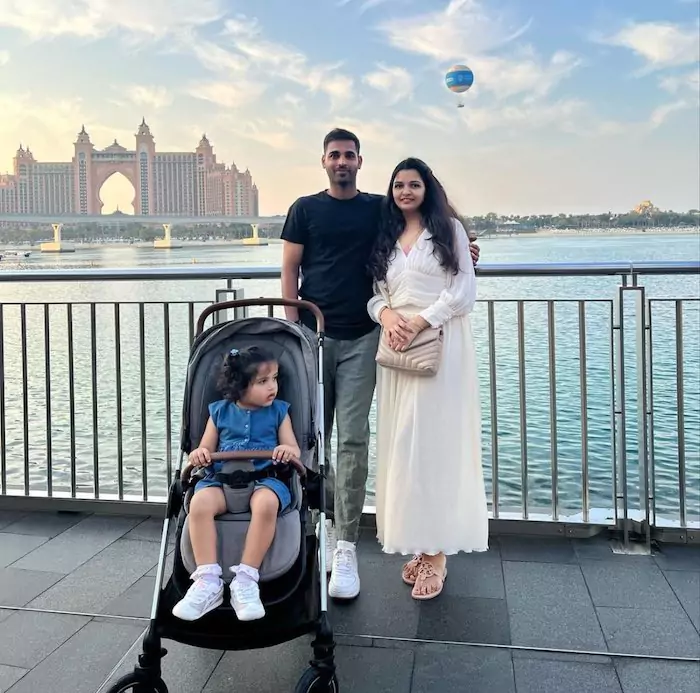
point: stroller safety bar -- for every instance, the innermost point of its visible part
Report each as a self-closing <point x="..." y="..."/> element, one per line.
<point x="245" y="302"/>
<point x="253" y="455"/>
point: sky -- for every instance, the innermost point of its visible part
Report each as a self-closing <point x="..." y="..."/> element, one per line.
<point x="577" y="107"/>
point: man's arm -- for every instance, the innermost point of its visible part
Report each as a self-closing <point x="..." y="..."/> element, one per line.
<point x="291" y="261"/>
<point x="294" y="235"/>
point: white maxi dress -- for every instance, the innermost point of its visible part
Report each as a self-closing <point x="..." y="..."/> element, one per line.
<point x="430" y="494"/>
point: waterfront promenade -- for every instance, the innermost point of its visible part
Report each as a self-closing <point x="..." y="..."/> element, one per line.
<point x="533" y="615"/>
<point x="591" y="458"/>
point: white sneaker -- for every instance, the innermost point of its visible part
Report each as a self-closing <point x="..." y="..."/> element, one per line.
<point x="331" y="542"/>
<point x="245" y="600"/>
<point x="345" y="580"/>
<point x="204" y="596"/>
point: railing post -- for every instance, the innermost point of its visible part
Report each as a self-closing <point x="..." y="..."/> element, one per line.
<point x="229" y="294"/>
<point x="620" y="419"/>
<point x="642" y="513"/>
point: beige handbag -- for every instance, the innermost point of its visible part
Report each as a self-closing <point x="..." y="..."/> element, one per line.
<point x="421" y="357"/>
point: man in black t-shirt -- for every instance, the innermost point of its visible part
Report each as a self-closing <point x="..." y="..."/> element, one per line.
<point x="328" y="238"/>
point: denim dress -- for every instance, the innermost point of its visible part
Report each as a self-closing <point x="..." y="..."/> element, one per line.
<point x="248" y="429"/>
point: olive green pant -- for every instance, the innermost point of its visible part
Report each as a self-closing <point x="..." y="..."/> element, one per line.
<point x="349" y="375"/>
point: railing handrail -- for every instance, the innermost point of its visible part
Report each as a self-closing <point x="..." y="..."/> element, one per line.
<point x="544" y="269"/>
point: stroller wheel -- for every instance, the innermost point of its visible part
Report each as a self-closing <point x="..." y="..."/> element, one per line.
<point x="136" y="683"/>
<point x="315" y="681"/>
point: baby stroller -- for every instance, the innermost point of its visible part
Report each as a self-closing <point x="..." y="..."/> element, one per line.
<point x="292" y="584"/>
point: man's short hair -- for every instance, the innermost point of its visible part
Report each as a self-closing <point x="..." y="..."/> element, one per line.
<point x="338" y="135"/>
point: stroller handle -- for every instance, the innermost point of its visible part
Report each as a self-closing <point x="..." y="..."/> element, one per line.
<point x="244" y="302"/>
<point x="254" y="455"/>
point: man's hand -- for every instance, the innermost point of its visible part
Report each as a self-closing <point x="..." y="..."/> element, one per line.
<point x="475" y="251"/>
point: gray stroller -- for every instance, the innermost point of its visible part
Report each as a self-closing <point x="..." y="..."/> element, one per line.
<point x="292" y="576"/>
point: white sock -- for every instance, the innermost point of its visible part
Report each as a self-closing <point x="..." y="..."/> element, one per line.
<point x="245" y="573"/>
<point x="210" y="573"/>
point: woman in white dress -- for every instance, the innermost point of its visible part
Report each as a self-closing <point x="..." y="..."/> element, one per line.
<point x="430" y="494"/>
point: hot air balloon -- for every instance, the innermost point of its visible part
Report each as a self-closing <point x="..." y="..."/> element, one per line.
<point x="458" y="79"/>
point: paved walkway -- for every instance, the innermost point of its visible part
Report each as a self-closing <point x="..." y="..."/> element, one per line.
<point x="531" y="593"/>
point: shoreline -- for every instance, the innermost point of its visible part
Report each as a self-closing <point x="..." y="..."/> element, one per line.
<point x="544" y="233"/>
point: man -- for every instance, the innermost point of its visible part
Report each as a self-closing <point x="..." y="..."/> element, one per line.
<point x="329" y="237"/>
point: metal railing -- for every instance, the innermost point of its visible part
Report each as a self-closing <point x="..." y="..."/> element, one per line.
<point x="582" y="426"/>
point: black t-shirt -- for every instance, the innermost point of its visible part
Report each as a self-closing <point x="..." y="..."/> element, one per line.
<point x="338" y="236"/>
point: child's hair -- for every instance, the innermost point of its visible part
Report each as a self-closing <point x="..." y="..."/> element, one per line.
<point x="239" y="369"/>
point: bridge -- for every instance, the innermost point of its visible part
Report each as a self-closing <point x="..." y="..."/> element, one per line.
<point x="592" y="579"/>
<point x="58" y="221"/>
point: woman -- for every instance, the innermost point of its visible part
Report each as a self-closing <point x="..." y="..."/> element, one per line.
<point x="430" y="494"/>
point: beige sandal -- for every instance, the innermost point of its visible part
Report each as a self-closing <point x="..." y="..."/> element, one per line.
<point x="425" y="571"/>
<point x="410" y="570"/>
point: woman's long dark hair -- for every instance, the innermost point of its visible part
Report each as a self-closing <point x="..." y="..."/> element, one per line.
<point x="438" y="217"/>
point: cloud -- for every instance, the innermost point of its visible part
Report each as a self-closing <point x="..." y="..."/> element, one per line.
<point x="660" y="114"/>
<point x="563" y="115"/>
<point x="524" y="73"/>
<point x="396" y="82"/>
<point x="152" y="98"/>
<point x="463" y="28"/>
<point x="229" y="94"/>
<point x="689" y="81"/>
<point x="661" y="44"/>
<point x="4" y="58"/>
<point x="364" y="5"/>
<point x="275" y="133"/>
<point x="97" y="18"/>
<point x="246" y="54"/>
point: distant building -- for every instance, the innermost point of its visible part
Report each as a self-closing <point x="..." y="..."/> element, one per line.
<point x="178" y="183"/>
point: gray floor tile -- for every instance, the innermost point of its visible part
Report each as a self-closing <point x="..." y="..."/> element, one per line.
<point x="14" y="546"/>
<point x="640" y="676"/>
<point x="82" y="663"/>
<point x="80" y="543"/>
<point x="135" y="601"/>
<point x="150" y="529"/>
<point x="641" y="586"/>
<point x="168" y="564"/>
<point x="384" y="607"/>
<point x="369" y="669"/>
<point x="678" y="557"/>
<point x="102" y="578"/>
<point x="184" y="669"/>
<point x="464" y="619"/>
<point x="45" y="524"/>
<point x="565" y="625"/>
<point x="7" y="517"/>
<point x="600" y="549"/>
<point x="10" y="676"/>
<point x="18" y="587"/>
<point x="645" y="631"/>
<point x="472" y="576"/>
<point x="544" y="583"/>
<point x="686" y="585"/>
<point x="553" y="676"/>
<point x="271" y="669"/>
<point x="452" y="669"/>
<point x="27" y="637"/>
<point x="537" y="549"/>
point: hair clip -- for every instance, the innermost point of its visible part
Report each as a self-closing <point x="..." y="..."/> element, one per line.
<point x="234" y="352"/>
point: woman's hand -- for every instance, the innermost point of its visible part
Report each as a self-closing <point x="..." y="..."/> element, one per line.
<point x="286" y="453"/>
<point x="414" y="327"/>
<point x="200" y="457"/>
<point x="395" y="326"/>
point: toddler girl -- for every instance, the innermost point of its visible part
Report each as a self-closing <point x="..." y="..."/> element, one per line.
<point x="248" y="418"/>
